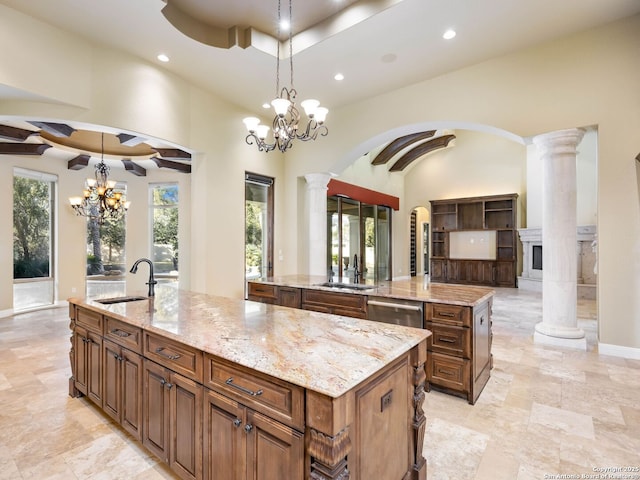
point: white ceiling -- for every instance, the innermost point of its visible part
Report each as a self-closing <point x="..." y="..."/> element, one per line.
<point x="396" y="43"/>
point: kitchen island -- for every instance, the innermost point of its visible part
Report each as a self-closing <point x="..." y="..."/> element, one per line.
<point x="227" y="389"/>
<point x="459" y="316"/>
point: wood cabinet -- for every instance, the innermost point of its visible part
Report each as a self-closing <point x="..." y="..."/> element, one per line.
<point x="337" y="303"/>
<point x="122" y="371"/>
<point x="242" y="444"/>
<point x="495" y="266"/>
<point x="208" y="417"/>
<point x="459" y="360"/>
<point x="172" y="419"/>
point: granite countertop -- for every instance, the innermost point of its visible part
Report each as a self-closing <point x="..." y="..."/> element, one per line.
<point x="328" y="354"/>
<point x="414" y="289"/>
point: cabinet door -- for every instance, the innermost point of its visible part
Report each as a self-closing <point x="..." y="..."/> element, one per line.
<point x="505" y="276"/>
<point x="81" y="367"/>
<point x="155" y="408"/>
<point x="131" y="388"/>
<point x="289" y="297"/>
<point x="438" y="270"/>
<point x="186" y="427"/>
<point x="112" y="376"/>
<point x="94" y="383"/>
<point x="274" y="451"/>
<point x="224" y="438"/>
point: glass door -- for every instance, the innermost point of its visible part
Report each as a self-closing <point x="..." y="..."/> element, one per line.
<point x="258" y="226"/>
<point x="358" y="232"/>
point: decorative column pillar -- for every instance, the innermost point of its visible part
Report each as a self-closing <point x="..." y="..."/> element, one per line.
<point x="317" y="218"/>
<point x="559" y="286"/>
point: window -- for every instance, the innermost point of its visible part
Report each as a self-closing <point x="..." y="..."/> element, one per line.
<point x="33" y="234"/>
<point x="106" y="260"/>
<point x="258" y="226"/>
<point x="164" y="231"/>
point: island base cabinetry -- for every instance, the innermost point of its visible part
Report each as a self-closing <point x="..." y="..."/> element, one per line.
<point x="459" y="360"/>
<point x="209" y="418"/>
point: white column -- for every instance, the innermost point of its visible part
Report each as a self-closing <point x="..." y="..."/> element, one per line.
<point x="317" y="218"/>
<point x="559" y="286"/>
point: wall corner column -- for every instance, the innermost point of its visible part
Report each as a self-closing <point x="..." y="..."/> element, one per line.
<point x="559" y="222"/>
<point x="317" y="186"/>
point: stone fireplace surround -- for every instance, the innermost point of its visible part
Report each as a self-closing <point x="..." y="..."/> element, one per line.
<point x="531" y="278"/>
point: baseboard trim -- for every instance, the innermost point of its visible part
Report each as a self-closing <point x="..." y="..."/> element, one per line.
<point x="619" y="351"/>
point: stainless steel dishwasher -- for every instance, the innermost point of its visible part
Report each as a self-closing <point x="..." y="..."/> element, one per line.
<point x="397" y="311"/>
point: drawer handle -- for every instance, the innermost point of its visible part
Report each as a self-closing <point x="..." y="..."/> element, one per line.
<point x="482" y="320"/>
<point x="242" y="389"/>
<point x="446" y="340"/>
<point x="120" y="333"/>
<point x="446" y="314"/>
<point x="175" y="356"/>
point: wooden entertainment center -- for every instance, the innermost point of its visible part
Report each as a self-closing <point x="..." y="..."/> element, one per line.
<point x="484" y="232"/>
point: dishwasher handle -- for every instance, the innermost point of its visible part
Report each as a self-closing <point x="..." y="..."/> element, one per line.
<point x="399" y="306"/>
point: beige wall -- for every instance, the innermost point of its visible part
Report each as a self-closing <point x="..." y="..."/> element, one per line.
<point x="589" y="79"/>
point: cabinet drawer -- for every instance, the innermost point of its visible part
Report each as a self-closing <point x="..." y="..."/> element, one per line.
<point x="123" y="334"/>
<point x="89" y="319"/>
<point x="449" y="372"/>
<point x="347" y="304"/>
<point x="448" y="314"/>
<point x="275" y="398"/>
<point x="263" y="291"/>
<point x="174" y="355"/>
<point x="449" y="340"/>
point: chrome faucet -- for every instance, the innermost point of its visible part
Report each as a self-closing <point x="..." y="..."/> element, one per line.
<point x="152" y="281"/>
<point x="356" y="273"/>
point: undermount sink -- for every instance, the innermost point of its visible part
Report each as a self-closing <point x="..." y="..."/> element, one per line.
<point x="109" y="301"/>
<point x="351" y="286"/>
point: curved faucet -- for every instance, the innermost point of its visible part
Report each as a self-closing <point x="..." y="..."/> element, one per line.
<point x="356" y="273"/>
<point x="152" y="281"/>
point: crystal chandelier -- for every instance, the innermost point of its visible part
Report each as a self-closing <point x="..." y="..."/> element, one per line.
<point x="100" y="201"/>
<point x="286" y="123"/>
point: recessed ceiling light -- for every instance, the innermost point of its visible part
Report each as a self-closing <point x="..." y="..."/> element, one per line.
<point x="284" y="25"/>
<point x="266" y="105"/>
<point x="449" y="34"/>
<point x="163" y="58"/>
<point x="338" y="76"/>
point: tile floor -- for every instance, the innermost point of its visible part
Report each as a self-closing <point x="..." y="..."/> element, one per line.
<point x="546" y="411"/>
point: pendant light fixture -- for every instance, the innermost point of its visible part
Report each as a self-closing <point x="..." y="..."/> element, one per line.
<point x="286" y="123"/>
<point x="100" y="201"/>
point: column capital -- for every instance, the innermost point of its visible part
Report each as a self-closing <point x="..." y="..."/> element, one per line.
<point x="318" y="180"/>
<point x="559" y="142"/>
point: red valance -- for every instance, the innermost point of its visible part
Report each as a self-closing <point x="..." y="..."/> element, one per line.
<point x="364" y="195"/>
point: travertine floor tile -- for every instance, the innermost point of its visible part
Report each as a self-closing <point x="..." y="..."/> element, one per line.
<point x="544" y="411"/>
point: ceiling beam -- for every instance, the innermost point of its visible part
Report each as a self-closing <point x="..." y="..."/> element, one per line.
<point x="173" y="153"/>
<point x="180" y="167"/>
<point x="13" y="133"/>
<point x="419" y="151"/>
<point x="78" y="163"/>
<point x="134" y="168"/>
<point x="400" y="144"/>
<point x="130" y="140"/>
<point x="55" y="129"/>
<point x="23" y="148"/>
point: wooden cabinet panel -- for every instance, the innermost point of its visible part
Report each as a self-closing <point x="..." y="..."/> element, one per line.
<point x="260" y="292"/>
<point x="449" y="372"/>
<point x="289" y="297"/>
<point x="172" y="416"/>
<point x="456" y="315"/>
<point x="94" y="383"/>
<point x="223" y="442"/>
<point x="81" y="359"/>
<point x="122" y="395"/>
<point x="89" y="319"/>
<point x="352" y="305"/>
<point x="274" y="451"/>
<point x="173" y="355"/>
<point x="123" y="334"/>
<point x="271" y="396"/>
<point x="505" y="274"/>
<point x="449" y="340"/>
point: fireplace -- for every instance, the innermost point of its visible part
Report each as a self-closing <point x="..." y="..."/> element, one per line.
<point x="531" y="278"/>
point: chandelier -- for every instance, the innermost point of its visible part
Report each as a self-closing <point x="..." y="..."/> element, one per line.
<point x="286" y="123"/>
<point x="100" y="201"/>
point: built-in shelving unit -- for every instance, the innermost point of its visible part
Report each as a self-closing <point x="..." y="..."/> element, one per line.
<point x="494" y="219"/>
